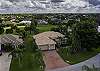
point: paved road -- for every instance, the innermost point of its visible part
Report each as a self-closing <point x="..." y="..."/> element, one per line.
<point x="78" y="67"/>
<point x="5" y="62"/>
<point x="53" y="60"/>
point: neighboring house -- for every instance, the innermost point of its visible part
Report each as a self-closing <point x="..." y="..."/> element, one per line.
<point x="25" y="22"/>
<point x="14" y="40"/>
<point x="13" y="20"/>
<point x="48" y="40"/>
<point x="42" y="22"/>
<point x="98" y="28"/>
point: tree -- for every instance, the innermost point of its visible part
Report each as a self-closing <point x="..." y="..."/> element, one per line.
<point x="27" y="28"/>
<point x="23" y="34"/>
<point x="33" y="26"/>
<point x="13" y="27"/>
<point x="1" y="30"/>
<point x="84" y="35"/>
<point x="9" y="31"/>
<point x="76" y="44"/>
<point x="1" y="21"/>
<point x="17" y="53"/>
<point x="17" y="30"/>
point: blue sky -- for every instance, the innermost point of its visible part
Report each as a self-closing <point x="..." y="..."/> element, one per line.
<point x="48" y="6"/>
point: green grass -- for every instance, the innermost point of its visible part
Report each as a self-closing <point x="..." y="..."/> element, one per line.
<point x="20" y="27"/>
<point x="43" y="28"/>
<point x="31" y="61"/>
<point x="75" y="58"/>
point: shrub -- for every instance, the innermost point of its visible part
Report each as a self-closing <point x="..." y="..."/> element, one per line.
<point x="7" y="48"/>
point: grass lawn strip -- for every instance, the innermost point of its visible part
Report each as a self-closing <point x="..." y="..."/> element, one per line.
<point x="75" y="58"/>
<point x="31" y="61"/>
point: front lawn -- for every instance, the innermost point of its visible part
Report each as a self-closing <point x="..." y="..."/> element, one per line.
<point x="75" y="58"/>
<point x="31" y="60"/>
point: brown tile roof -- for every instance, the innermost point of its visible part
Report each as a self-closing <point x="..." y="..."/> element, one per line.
<point x="44" y="40"/>
<point x="50" y="34"/>
<point x="46" y="37"/>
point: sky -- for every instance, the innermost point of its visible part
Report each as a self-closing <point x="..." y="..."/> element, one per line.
<point x="49" y="6"/>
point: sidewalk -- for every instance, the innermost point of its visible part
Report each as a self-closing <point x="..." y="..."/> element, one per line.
<point x="5" y="62"/>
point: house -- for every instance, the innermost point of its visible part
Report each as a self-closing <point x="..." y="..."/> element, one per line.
<point x="42" y="22"/>
<point x="98" y="28"/>
<point x="14" y="40"/>
<point x="25" y="22"/>
<point x="48" y="40"/>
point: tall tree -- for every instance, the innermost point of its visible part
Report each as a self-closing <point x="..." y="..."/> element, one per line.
<point x="84" y="35"/>
<point x="33" y="26"/>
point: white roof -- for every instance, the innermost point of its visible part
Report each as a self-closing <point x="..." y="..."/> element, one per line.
<point x="25" y="22"/>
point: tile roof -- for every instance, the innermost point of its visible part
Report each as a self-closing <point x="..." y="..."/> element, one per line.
<point x="44" y="40"/>
<point x="9" y="38"/>
<point x="47" y="37"/>
<point x="50" y="34"/>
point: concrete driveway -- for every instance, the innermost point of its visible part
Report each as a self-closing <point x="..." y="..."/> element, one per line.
<point x="53" y="60"/>
<point x="5" y="62"/>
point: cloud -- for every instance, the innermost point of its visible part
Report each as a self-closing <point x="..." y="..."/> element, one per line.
<point x="5" y="3"/>
<point x="37" y="6"/>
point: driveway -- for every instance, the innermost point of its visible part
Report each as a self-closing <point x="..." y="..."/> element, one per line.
<point x="5" y="62"/>
<point x="53" y="60"/>
<point x="78" y="67"/>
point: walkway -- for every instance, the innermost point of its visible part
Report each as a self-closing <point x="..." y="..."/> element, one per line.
<point x="53" y="60"/>
<point x="78" y="67"/>
<point x="5" y="62"/>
